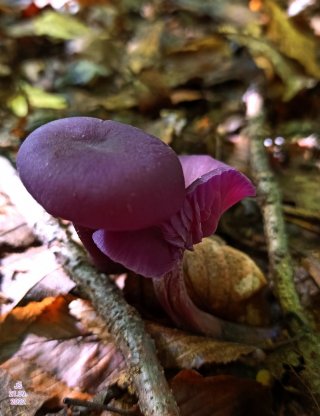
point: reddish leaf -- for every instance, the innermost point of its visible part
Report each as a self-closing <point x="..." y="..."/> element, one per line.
<point x="222" y="395"/>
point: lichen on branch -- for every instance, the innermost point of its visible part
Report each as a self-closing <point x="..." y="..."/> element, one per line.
<point x="280" y="261"/>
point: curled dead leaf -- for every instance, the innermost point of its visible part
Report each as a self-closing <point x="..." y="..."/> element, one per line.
<point x="223" y="280"/>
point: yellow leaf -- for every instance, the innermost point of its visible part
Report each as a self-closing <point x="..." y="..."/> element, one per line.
<point x="18" y="105"/>
<point x="39" y="98"/>
<point x="264" y="377"/>
<point x="292" y="42"/>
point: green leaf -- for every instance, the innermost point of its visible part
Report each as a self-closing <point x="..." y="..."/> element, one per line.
<point x="60" y="26"/>
<point x="83" y="72"/>
<point x="39" y="98"/>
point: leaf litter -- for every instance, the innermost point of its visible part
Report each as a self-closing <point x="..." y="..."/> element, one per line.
<point x="178" y="70"/>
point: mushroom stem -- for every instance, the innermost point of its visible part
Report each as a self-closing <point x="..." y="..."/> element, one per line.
<point x="172" y="293"/>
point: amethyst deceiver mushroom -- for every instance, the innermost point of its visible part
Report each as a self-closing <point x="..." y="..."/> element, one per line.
<point x="104" y="175"/>
<point x="135" y="204"/>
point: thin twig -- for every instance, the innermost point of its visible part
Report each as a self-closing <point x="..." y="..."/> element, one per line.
<point x="281" y="267"/>
<point x="96" y="406"/>
<point x="122" y="321"/>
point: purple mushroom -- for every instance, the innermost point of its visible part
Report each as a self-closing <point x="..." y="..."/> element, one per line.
<point x="135" y="204"/>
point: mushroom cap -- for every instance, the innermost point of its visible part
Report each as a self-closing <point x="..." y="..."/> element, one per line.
<point x="101" y="174"/>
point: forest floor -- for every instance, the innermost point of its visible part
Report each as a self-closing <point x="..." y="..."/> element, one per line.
<point x="235" y="80"/>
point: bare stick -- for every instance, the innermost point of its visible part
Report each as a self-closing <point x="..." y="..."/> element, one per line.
<point x="96" y="406"/>
<point x="122" y="321"/>
<point x="281" y="268"/>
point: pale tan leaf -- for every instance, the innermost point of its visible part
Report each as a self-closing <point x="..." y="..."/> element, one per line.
<point x="179" y="349"/>
<point x="221" y="279"/>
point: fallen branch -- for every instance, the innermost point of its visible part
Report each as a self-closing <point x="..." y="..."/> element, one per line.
<point x="121" y="320"/>
<point x="281" y="268"/>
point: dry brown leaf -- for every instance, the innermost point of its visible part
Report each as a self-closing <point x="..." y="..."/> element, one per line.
<point x="300" y="187"/>
<point x="53" y="365"/>
<point x="32" y="275"/>
<point x="179" y="349"/>
<point x="260" y="47"/>
<point x="312" y="263"/>
<point x="56" y="356"/>
<point x="222" y="279"/>
<point x="213" y="43"/>
<point x="48" y="317"/>
<point x="39" y="380"/>
<point x="84" y="312"/>
<point x="185" y="95"/>
<point x="292" y="42"/>
<point x="144" y="48"/>
<point x="14" y="232"/>
<point x="222" y="395"/>
<point x="13" y="392"/>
